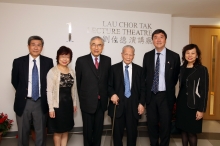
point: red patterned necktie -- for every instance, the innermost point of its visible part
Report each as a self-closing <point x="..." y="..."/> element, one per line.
<point x="96" y="63"/>
<point x="97" y="66"/>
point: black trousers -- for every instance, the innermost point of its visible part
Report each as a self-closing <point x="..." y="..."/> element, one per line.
<point x="159" y="119"/>
<point x="93" y="126"/>
<point x="128" y="121"/>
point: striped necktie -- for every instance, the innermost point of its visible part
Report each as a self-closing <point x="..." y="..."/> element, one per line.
<point x="156" y="75"/>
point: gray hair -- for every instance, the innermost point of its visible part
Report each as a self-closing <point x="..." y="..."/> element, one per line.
<point x="97" y="37"/>
<point x="128" y="46"/>
<point x="35" y="38"/>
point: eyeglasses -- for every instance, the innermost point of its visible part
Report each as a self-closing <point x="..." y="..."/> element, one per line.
<point x="35" y="45"/>
<point x="65" y="56"/>
<point x="98" y="45"/>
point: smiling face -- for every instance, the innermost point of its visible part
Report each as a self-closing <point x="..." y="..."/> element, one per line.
<point x="159" y="41"/>
<point x="191" y="55"/>
<point x="64" y="59"/>
<point x="127" y="55"/>
<point x="35" y="48"/>
<point x="96" y="47"/>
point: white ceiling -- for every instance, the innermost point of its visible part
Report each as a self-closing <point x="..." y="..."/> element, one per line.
<point x="177" y="8"/>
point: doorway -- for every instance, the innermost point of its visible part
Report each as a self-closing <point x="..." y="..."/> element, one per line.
<point x="208" y="40"/>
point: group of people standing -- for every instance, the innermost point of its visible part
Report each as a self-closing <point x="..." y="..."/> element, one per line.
<point x="123" y="88"/>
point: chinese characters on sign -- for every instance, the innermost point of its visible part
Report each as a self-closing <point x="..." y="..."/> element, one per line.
<point x="124" y="32"/>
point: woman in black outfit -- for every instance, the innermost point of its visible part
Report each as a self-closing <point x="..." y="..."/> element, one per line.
<point x="61" y="97"/>
<point x="193" y="94"/>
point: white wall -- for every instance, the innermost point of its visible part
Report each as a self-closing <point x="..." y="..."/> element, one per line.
<point x="180" y="30"/>
<point x="18" y="22"/>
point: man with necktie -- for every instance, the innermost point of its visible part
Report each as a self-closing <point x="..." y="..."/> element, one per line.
<point x="92" y="73"/>
<point x="29" y="80"/>
<point x="127" y="92"/>
<point x="161" y="69"/>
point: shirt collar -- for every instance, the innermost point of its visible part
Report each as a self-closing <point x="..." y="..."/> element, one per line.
<point x="130" y="65"/>
<point x="93" y="57"/>
<point x="31" y="58"/>
<point x="163" y="52"/>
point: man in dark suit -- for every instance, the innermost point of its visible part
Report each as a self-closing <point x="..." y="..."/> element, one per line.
<point x="161" y="69"/>
<point x="29" y="80"/>
<point x="92" y="73"/>
<point x="127" y="93"/>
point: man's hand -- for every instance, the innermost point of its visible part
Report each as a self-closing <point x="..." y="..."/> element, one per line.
<point x="140" y="109"/>
<point x="115" y="99"/>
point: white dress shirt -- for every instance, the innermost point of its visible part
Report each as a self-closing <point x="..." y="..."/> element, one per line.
<point x="31" y="65"/>
<point x="93" y="58"/>
<point x="129" y="72"/>
<point x="162" y="83"/>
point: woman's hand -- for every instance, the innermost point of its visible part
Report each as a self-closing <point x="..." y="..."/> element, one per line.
<point x="52" y="114"/>
<point x="74" y="109"/>
<point x="199" y="115"/>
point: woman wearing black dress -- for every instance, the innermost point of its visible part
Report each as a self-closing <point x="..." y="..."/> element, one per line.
<point x="193" y="94"/>
<point x="61" y="96"/>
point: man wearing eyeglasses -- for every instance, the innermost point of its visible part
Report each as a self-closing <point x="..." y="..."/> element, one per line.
<point x="92" y="73"/>
<point x="28" y="78"/>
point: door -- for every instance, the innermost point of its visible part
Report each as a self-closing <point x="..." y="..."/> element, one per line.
<point x="208" y="40"/>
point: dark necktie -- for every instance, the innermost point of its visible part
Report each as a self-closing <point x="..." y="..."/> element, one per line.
<point x="35" y="82"/>
<point x="96" y="63"/>
<point x="127" y="82"/>
<point x="156" y="75"/>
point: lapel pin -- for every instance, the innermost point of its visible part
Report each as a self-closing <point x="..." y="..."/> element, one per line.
<point x="168" y="62"/>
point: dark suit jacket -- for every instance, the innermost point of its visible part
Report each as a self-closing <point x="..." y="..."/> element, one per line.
<point x="92" y="83"/>
<point x="197" y="87"/>
<point x="116" y="86"/>
<point x="172" y="68"/>
<point x="19" y="80"/>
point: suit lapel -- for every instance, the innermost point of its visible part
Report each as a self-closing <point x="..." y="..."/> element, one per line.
<point x="152" y="67"/>
<point x="101" y="65"/>
<point x="42" y="69"/>
<point x="121" y="73"/>
<point x="167" y="63"/>
<point x="133" y="75"/>
<point x="26" y="69"/>
<point x="91" y="64"/>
